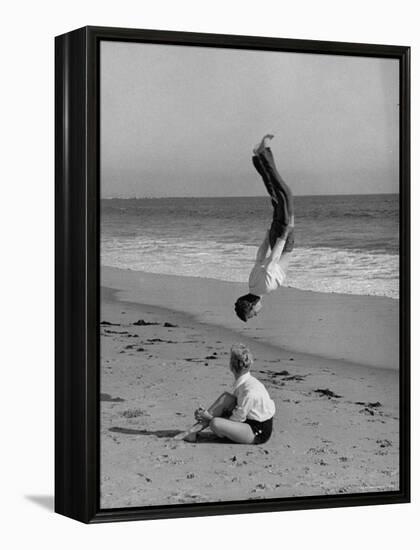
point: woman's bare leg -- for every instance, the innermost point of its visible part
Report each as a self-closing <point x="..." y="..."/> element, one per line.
<point x="223" y="405"/>
<point x="239" y="432"/>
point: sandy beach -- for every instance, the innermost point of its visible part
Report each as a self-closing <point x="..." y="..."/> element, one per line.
<point x="331" y="366"/>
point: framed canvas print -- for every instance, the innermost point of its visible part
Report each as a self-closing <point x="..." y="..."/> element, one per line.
<point x="232" y="274"/>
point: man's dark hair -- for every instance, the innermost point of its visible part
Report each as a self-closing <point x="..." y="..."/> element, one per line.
<point x="244" y="305"/>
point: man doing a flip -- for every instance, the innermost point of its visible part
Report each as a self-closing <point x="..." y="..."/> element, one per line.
<point x="269" y="271"/>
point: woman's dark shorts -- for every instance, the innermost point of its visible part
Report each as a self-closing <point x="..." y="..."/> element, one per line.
<point x="262" y="430"/>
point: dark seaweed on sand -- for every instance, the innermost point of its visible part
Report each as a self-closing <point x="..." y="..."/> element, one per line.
<point x="372" y="405"/>
<point x="328" y="393"/>
<point x="273" y="373"/>
<point x="154" y="340"/>
<point x="107" y="397"/>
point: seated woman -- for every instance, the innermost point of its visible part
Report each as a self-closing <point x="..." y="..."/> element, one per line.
<point x="269" y="272"/>
<point x="246" y="416"/>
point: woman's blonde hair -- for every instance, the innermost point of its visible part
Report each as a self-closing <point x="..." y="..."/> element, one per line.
<point x="240" y="358"/>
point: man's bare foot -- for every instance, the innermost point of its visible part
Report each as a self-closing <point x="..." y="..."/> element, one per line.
<point x="263" y="143"/>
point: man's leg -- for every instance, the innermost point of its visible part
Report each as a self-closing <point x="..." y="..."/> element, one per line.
<point x="283" y="215"/>
<point x="265" y="177"/>
<point x="281" y="189"/>
<point x="281" y="196"/>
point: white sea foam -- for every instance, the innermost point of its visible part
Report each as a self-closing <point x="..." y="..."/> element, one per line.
<point x="318" y="269"/>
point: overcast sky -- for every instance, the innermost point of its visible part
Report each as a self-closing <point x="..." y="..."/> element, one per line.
<point x="182" y="121"/>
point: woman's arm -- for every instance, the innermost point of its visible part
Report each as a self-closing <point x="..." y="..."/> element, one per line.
<point x="244" y="405"/>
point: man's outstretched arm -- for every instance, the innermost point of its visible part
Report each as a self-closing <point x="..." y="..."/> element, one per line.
<point x="280" y="243"/>
<point x="278" y="248"/>
<point x="264" y="246"/>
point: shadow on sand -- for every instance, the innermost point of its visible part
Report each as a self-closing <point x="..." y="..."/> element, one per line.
<point x="203" y="437"/>
<point x="156" y="433"/>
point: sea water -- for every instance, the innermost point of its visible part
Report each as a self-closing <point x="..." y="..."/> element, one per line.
<point x="344" y="243"/>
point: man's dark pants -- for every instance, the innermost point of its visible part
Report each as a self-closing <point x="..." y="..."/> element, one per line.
<point x="281" y="198"/>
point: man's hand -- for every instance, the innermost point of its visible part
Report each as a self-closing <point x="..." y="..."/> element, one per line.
<point x="288" y="228"/>
<point x="202" y="415"/>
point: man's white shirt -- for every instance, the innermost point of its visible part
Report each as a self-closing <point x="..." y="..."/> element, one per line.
<point x="266" y="276"/>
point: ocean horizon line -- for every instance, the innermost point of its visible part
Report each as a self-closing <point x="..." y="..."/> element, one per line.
<point x="249" y="196"/>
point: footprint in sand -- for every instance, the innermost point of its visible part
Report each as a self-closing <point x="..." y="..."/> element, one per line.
<point x="147" y="479"/>
<point x="384" y="442"/>
<point x="259" y="487"/>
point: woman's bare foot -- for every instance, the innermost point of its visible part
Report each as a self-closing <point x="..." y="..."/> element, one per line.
<point x="263" y="143"/>
<point x="186" y="436"/>
<point x="191" y="434"/>
<point x="190" y="437"/>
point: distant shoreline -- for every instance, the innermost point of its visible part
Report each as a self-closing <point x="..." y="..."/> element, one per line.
<point x="249" y="196"/>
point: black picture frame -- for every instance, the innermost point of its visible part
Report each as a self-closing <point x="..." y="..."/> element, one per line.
<point x="77" y="124"/>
